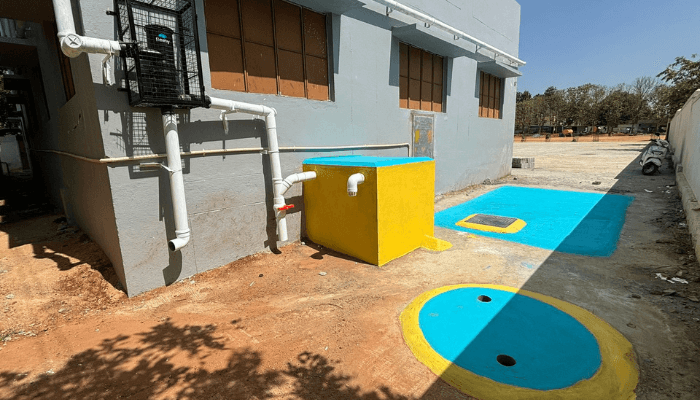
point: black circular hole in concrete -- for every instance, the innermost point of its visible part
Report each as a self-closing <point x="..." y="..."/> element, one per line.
<point x="506" y="361"/>
<point x="484" y="299"/>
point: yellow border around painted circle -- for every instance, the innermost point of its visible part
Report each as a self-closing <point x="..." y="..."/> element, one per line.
<point x="616" y="379"/>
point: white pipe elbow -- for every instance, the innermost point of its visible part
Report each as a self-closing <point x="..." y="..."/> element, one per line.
<point x="353" y="181"/>
<point x="296" y="178"/>
<point x="183" y="237"/>
<point x="73" y="45"/>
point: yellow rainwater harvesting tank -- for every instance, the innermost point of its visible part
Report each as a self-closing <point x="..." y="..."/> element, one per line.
<point x="390" y="216"/>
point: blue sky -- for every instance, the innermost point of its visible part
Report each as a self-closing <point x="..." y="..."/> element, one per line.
<point x="572" y="42"/>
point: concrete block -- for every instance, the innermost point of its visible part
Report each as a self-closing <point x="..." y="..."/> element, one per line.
<point x="524" y="163"/>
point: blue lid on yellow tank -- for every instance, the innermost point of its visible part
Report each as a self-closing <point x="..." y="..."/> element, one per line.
<point x="365" y="161"/>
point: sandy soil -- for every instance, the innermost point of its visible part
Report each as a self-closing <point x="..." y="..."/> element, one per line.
<point x="272" y="327"/>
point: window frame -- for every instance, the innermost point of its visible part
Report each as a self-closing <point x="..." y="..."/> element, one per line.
<point x="409" y="76"/>
<point x="491" y="101"/>
<point x="312" y="53"/>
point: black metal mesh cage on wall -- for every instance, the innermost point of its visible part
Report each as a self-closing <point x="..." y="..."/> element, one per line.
<point x="162" y="64"/>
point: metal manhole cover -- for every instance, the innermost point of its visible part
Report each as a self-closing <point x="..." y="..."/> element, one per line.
<point x="491" y="220"/>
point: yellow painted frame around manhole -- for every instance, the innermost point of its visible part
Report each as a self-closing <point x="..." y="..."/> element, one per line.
<point x="515" y="227"/>
<point x="616" y="379"/>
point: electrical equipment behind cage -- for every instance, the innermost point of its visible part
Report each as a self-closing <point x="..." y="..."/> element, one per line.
<point x="162" y="62"/>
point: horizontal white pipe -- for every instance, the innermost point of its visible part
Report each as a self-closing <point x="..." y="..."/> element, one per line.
<point x="394" y="5"/>
<point x="296" y="178"/>
<point x="237" y="106"/>
<point x="353" y="181"/>
<point x="203" y="153"/>
<point x="73" y="44"/>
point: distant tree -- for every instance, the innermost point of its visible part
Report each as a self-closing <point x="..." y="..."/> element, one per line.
<point x="683" y="77"/>
<point x="642" y="89"/>
<point x="583" y="102"/>
<point x="523" y="115"/>
<point x="522" y="96"/>
<point x="660" y="104"/>
<point x="554" y="105"/>
<point x="617" y="108"/>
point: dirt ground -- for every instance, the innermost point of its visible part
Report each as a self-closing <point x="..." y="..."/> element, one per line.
<point x="273" y="327"/>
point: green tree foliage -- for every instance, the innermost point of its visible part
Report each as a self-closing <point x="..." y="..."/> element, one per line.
<point x="592" y="105"/>
<point x="618" y="107"/>
<point x="522" y="96"/>
<point x="683" y="78"/>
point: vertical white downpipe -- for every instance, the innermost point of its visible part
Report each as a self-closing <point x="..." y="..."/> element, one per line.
<point x="177" y="185"/>
<point x="64" y="17"/>
<point x="276" y="169"/>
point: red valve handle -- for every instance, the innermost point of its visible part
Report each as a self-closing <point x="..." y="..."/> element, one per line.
<point x="287" y="207"/>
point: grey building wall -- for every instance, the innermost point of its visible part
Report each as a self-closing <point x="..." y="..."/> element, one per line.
<point x="229" y="197"/>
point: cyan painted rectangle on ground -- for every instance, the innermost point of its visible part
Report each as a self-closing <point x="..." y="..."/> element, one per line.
<point x="570" y="222"/>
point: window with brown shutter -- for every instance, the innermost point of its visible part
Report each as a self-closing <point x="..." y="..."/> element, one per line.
<point x="489" y="95"/>
<point x="267" y="46"/>
<point x="420" y="79"/>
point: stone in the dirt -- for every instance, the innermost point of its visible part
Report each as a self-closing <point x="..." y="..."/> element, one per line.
<point x="635" y="296"/>
<point x="322" y="273"/>
<point x="260" y="276"/>
<point x="694" y="299"/>
<point x="669" y="292"/>
<point x="596" y="183"/>
<point x="10" y="296"/>
<point x="631" y="325"/>
<point x="62" y="310"/>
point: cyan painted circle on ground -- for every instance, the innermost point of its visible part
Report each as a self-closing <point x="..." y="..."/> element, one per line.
<point x="552" y="350"/>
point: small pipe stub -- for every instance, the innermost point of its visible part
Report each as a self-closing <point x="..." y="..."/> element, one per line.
<point x="353" y="181"/>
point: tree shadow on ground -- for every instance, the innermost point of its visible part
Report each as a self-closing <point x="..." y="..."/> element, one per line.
<point x="27" y="217"/>
<point x="142" y="366"/>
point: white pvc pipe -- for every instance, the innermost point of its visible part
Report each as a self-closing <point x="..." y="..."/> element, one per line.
<point x="177" y="185"/>
<point x="296" y="178"/>
<point x="272" y="150"/>
<point x="73" y="44"/>
<point x="394" y="5"/>
<point x="353" y="181"/>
